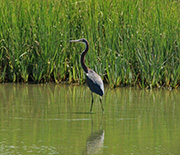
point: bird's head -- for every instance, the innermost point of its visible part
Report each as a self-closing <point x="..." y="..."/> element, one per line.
<point x="83" y="40"/>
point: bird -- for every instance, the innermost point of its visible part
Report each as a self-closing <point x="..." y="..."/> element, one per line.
<point x="93" y="80"/>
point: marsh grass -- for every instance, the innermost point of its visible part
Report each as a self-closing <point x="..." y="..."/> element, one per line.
<point x="131" y="42"/>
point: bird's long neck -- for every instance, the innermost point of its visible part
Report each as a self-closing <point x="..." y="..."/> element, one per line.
<point x="85" y="68"/>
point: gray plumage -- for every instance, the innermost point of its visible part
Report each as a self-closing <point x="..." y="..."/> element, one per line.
<point x="95" y="82"/>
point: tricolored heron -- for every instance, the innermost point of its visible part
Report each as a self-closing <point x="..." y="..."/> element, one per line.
<point x="94" y="81"/>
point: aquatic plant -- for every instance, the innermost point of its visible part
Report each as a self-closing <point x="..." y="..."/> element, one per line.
<point x="131" y="42"/>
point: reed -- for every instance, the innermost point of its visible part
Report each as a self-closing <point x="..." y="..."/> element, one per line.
<point x="131" y="42"/>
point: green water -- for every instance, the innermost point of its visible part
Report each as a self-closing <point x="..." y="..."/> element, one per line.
<point x="54" y="119"/>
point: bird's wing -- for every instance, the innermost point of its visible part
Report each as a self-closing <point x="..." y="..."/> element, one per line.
<point x="95" y="82"/>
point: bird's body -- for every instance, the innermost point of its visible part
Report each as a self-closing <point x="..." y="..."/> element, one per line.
<point x="94" y="81"/>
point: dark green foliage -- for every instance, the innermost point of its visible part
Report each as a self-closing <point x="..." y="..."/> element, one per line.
<point x="130" y="41"/>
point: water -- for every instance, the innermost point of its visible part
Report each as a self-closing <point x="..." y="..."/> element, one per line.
<point x="55" y="119"/>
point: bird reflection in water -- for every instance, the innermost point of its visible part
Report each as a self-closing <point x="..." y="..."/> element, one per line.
<point x="95" y="142"/>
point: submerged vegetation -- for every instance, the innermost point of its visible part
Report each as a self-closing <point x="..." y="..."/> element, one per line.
<point x="131" y="42"/>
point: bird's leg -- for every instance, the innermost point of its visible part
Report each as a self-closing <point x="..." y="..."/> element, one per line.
<point x="91" y="102"/>
<point x="101" y="104"/>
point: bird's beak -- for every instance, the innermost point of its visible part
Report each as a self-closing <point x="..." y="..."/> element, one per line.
<point x="73" y="41"/>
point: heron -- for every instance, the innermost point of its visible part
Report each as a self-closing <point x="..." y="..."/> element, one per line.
<point x="93" y="80"/>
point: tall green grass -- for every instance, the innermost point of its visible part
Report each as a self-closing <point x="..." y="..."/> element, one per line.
<point x="131" y="42"/>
